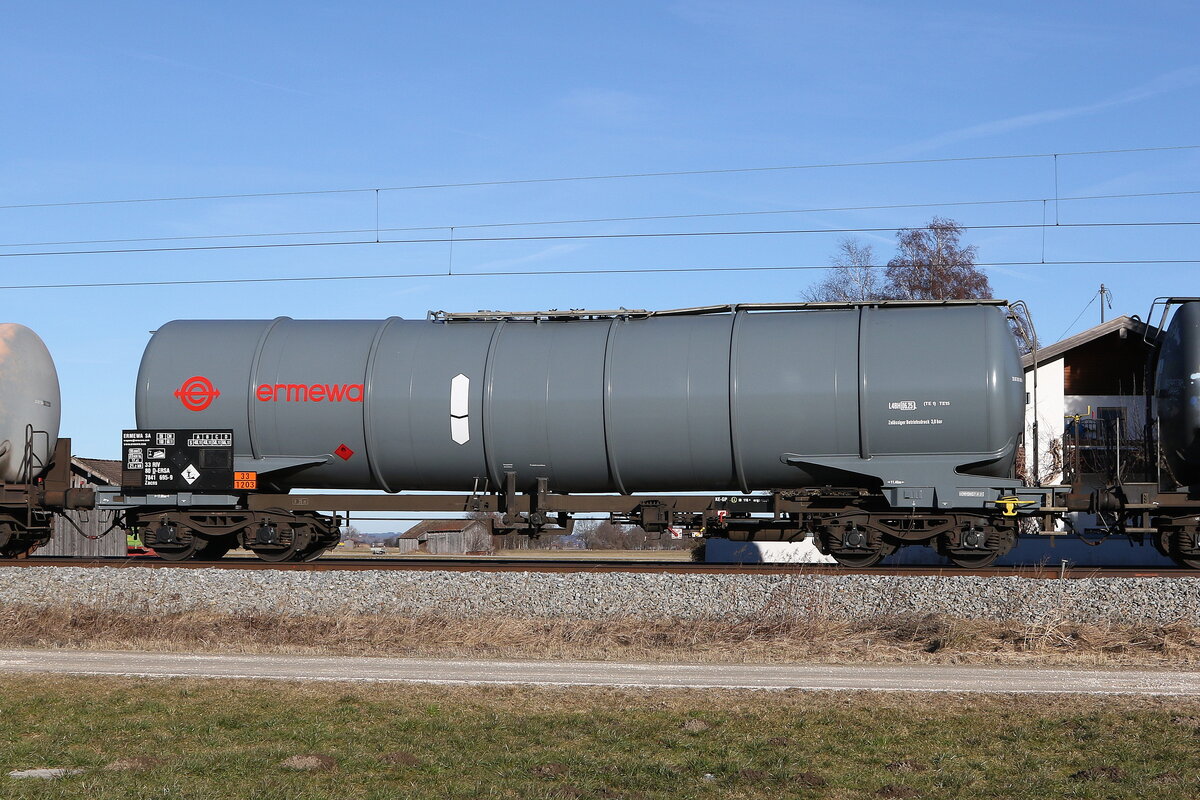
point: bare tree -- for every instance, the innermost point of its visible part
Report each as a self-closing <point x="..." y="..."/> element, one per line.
<point x="605" y="535"/>
<point x="932" y="264"/>
<point x="852" y="279"/>
<point x="353" y="536"/>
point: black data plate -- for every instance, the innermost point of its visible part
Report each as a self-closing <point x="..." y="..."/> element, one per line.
<point x="177" y="461"/>
<point x="743" y="503"/>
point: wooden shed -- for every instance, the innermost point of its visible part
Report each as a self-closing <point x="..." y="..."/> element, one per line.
<point x="447" y="537"/>
<point x="67" y="540"/>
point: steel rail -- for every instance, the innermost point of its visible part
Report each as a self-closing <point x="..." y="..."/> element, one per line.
<point x="492" y="564"/>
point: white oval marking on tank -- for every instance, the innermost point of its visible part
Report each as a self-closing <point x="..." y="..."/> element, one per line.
<point x="460" y="403"/>
<point x="460" y="430"/>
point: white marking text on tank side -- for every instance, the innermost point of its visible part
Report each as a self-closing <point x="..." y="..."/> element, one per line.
<point x="211" y="440"/>
<point x="460" y="407"/>
<point x="913" y="405"/>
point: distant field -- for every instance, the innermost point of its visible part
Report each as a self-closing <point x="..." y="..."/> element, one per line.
<point x="616" y="555"/>
<point x="224" y="739"/>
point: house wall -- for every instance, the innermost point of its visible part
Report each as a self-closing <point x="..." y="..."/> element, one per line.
<point x="1050" y="416"/>
<point x="1111" y="364"/>
<point x="1086" y="405"/>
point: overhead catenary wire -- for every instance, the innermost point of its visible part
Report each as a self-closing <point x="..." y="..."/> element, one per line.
<point x="595" y="220"/>
<point x="603" y="177"/>
<point x="580" y="271"/>
<point x="1077" y="317"/>
<point x="577" y="237"/>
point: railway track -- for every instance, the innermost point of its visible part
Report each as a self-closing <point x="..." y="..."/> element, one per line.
<point x="604" y="565"/>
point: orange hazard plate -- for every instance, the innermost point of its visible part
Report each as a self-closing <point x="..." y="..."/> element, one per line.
<point x="245" y="480"/>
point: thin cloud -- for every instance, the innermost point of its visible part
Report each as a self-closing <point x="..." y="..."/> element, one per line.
<point x="504" y="263"/>
<point x="608" y="106"/>
<point x="1163" y="84"/>
<point x="210" y="71"/>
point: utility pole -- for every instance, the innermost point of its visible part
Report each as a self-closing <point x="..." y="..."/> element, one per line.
<point x="1104" y="294"/>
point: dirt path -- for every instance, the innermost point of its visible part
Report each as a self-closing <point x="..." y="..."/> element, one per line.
<point x="551" y="673"/>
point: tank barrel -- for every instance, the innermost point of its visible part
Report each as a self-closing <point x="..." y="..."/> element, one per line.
<point x="727" y="398"/>
<point x="29" y="404"/>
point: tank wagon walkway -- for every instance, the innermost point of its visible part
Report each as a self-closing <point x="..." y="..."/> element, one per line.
<point x="620" y="675"/>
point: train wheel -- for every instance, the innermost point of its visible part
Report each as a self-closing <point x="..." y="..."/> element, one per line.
<point x="10" y="543"/>
<point x="976" y="560"/>
<point x="171" y="540"/>
<point x="275" y="538"/>
<point x="322" y="537"/>
<point x="278" y="556"/>
<point x="16" y="541"/>
<point x="1178" y="545"/>
<point x="292" y="543"/>
<point x="293" y="547"/>
<point x="213" y="549"/>
<point x="284" y="537"/>
<point x="1162" y="542"/>
<point x="325" y="538"/>
<point x="857" y="559"/>
<point x="312" y="555"/>
<point x="187" y="545"/>
<point x="178" y="552"/>
<point x="292" y="554"/>
<point x="977" y="546"/>
<point x="866" y="550"/>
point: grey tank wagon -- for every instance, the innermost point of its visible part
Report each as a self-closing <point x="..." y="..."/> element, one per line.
<point x="866" y="425"/>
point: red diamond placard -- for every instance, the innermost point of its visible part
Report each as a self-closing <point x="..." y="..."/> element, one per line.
<point x="343" y="452"/>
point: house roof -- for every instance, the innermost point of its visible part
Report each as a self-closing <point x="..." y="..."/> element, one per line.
<point x="103" y="470"/>
<point x="1124" y="326"/>
<point x="428" y="526"/>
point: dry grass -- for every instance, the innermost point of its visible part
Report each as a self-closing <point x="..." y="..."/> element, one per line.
<point x="890" y="639"/>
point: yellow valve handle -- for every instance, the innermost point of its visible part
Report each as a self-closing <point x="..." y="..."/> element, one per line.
<point x="1010" y="504"/>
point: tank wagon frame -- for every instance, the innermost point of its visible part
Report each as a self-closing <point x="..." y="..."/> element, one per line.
<point x="28" y="505"/>
<point x="1167" y="511"/>
<point x="860" y="496"/>
<point x="858" y="504"/>
<point x="866" y="426"/>
<point x="854" y="525"/>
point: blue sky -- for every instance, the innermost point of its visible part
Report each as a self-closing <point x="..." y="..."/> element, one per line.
<point x="133" y="100"/>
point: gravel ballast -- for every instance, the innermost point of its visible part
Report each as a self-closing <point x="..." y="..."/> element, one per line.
<point x="603" y="595"/>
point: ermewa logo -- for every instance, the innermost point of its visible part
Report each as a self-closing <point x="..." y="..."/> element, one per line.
<point x="315" y="392"/>
<point x="197" y="393"/>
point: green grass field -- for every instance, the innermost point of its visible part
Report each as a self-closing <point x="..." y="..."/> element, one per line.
<point x="226" y="739"/>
